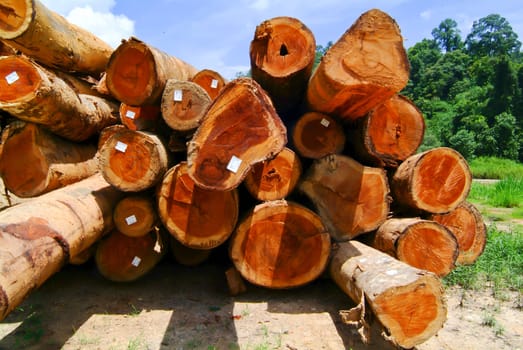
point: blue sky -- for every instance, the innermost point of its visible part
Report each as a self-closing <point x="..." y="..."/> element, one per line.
<point x="215" y="34"/>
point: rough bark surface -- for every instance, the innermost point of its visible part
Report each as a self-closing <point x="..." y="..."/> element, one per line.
<point x="35" y="94"/>
<point x="408" y="302"/>
<point x="363" y="69"/>
<point x="351" y="199"/>
<point x="241" y="128"/>
<point x="38" y="32"/>
<point x="280" y="244"/>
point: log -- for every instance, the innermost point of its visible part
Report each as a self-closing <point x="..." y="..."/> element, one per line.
<point x="34" y="94"/>
<point x="187" y="256"/>
<point x="241" y="128"/>
<point x="351" y="199"/>
<point x="388" y="134"/>
<point x="33" y="161"/>
<point x="434" y="181"/>
<point x="211" y="81"/>
<point x="6" y="50"/>
<point x="109" y="131"/>
<point x="274" y="178"/>
<point x="280" y="244"/>
<point x="39" y="236"/>
<point x="316" y="135"/>
<point x="84" y="256"/>
<point x="183" y="105"/>
<point x="135" y="215"/>
<point x="120" y="258"/>
<point x="137" y="72"/>
<point x="198" y="218"/>
<point x="282" y="54"/>
<point x="140" y="118"/>
<point x="424" y="244"/>
<point x="408" y="302"/>
<point x="133" y="161"/>
<point x="364" y="68"/>
<point x="467" y="225"/>
<point x="29" y="26"/>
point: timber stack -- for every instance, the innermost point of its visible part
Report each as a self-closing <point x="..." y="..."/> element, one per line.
<point x="297" y="171"/>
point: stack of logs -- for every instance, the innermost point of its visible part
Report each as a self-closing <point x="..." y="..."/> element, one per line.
<point x="128" y="154"/>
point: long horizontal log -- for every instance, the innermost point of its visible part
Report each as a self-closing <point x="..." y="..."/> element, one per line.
<point x="409" y="302"/>
<point x="40" y="235"/>
<point x="35" y="94"/>
<point x="363" y="69"/>
<point x="50" y="39"/>
<point x="33" y="161"/>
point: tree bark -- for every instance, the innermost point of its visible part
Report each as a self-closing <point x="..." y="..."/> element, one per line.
<point x="435" y="181"/>
<point x="316" y="135"/>
<point x="140" y="118"/>
<point x="120" y="258"/>
<point x="241" y="128"/>
<point x="408" y="302"/>
<point x="211" y="81"/>
<point x="467" y="225"/>
<point x="280" y="244"/>
<point x="274" y="178"/>
<point x="28" y="26"/>
<point x="351" y="199"/>
<point x="282" y="54"/>
<point x="34" y="161"/>
<point x="424" y="244"/>
<point x="133" y="161"/>
<point x="34" y="94"/>
<point x="196" y="217"/>
<point x="136" y="215"/>
<point x="40" y="235"/>
<point x="137" y="72"/>
<point x="184" y="104"/>
<point x="363" y="69"/>
<point x="388" y="134"/>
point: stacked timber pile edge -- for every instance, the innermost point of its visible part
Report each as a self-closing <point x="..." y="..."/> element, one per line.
<point x="296" y="171"/>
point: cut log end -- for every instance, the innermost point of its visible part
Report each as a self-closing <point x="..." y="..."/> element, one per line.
<point x="211" y="81"/>
<point x="18" y="78"/>
<point x="280" y="245"/>
<point x="135" y="216"/>
<point x="15" y="17"/>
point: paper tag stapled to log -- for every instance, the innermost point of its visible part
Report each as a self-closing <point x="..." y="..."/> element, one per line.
<point x="178" y="95"/>
<point x="130" y="114"/>
<point x="131" y="220"/>
<point x="11" y="77"/>
<point x="120" y="146"/>
<point x="214" y="83"/>
<point x="234" y="164"/>
<point x="325" y="122"/>
<point x="136" y="261"/>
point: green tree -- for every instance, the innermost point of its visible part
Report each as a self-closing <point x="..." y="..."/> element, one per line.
<point x="450" y="69"/>
<point x="421" y="56"/>
<point x="464" y="142"/>
<point x="492" y="36"/>
<point x="504" y="88"/>
<point x="506" y="132"/>
<point x="448" y="36"/>
<point x="320" y="52"/>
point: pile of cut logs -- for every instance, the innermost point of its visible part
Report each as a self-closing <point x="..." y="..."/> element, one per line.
<point x="131" y="153"/>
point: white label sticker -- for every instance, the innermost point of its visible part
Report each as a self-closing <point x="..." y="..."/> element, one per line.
<point x="234" y="164"/>
<point x="214" y="83"/>
<point x="178" y="95"/>
<point x="131" y="220"/>
<point x="120" y="146"/>
<point x="136" y="261"/>
<point x="11" y="77"/>
<point x="130" y="114"/>
<point x="157" y="247"/>
<point x="325" y="122"/>
<point x="392" y="272"/>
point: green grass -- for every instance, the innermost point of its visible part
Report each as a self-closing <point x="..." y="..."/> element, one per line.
<point x="507" y="193"/>
<point x="500" y="265"/>
<point x="495" y="168"/>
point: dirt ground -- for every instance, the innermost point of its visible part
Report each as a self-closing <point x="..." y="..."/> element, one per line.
<point x="177" y="307"/>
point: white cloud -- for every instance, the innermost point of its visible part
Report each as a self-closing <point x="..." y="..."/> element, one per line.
<point x="260" y="5"/>
<point x="107" y="26"/>
<point x="96" y="17"/>
<point x="426" y="15"/>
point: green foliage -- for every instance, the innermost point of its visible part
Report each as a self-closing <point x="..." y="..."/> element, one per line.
<point x="501" y="264"/>
<point x="447" y="35"/>
<point x="464" y="141"/>
<point x="507" y="193"/>
<point x="495" y="168"/>
<point x="492" y="36"/>
<point x="320" y="52"/>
